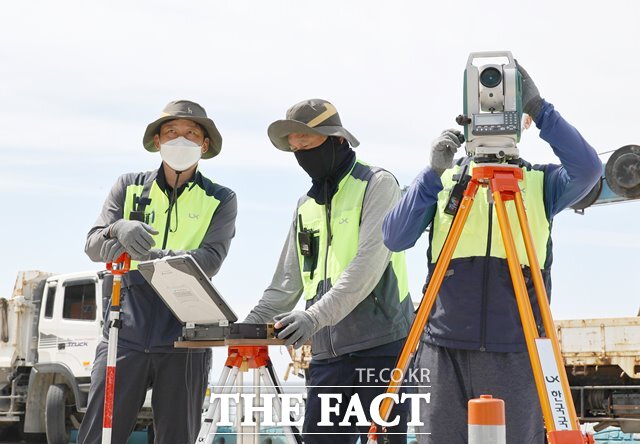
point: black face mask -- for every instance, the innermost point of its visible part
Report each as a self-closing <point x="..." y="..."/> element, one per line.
<point x="318" y="162"/>
<point x="326" y="164"/>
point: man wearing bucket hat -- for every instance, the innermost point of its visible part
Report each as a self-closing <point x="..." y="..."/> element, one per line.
<point x="358" y="309"/>
<point x="168" y="211"/>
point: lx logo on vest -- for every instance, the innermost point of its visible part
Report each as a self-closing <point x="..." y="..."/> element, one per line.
<point x="343" y="220"/>
<point x="193" y="216"/>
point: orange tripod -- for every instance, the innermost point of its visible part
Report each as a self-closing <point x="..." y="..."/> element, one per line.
<point x="559" y="413"/>
<point x="240" y="359"/>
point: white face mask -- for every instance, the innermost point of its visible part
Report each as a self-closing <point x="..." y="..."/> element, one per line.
<point x="180" y="153"/>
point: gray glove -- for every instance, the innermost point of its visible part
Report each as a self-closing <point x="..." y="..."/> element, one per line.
<point x="156" y="253"/>
<point x="134" y="236"/>
<point x="443" y="149"/>
<point x="111" y="250"/>
<point x="300" y="326"/>
<point x="151" y="254"/>
<point x="531" y="100"/>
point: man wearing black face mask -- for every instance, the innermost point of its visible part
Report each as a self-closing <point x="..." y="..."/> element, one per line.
<point x="358" y="309"/>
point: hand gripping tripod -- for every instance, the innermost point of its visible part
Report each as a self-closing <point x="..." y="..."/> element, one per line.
<point x="544" y="352"/>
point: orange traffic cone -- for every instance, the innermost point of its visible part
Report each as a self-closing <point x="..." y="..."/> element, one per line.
<point x="486" y="421"/>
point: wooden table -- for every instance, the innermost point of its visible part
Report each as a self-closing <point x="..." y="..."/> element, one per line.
<point x="227" y="343"/>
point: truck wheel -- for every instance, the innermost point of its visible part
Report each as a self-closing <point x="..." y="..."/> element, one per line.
<point x="56" y="413"/>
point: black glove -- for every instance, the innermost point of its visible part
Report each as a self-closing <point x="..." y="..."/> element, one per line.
<point x="531" y="100"/>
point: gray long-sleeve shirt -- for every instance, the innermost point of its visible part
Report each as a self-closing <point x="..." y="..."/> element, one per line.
<point x="358" y="279"/>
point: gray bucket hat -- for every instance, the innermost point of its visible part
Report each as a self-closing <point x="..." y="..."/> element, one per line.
<point x="185" y="109"/>
<point x="313" y="116"/>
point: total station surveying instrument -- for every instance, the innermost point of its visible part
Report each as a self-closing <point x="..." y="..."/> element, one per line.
<point x="492" y="106"/>
<point x="492" y="126"/>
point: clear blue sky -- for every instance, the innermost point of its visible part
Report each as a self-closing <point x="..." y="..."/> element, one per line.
<point x="80" y="82"/>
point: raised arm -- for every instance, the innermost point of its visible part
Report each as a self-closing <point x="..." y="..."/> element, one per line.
<point x="406" y="222"/>
<point x="580" y="167"/>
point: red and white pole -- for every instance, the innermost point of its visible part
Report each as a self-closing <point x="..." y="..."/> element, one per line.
<point x="112" y="350"/>
<point x="486" y="421"/>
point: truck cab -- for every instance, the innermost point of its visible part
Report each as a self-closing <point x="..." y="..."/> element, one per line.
<point x="68" y="313"/>
<point x="70" y="323"/>
<point x="49" y="330"/>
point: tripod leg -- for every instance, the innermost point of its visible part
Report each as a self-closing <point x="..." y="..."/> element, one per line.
<point x="273" y="387"/>
<point x="256" y="399"/>
<point x="232" y="381"/>
<point x="293" y="430"/>
<point x="240" y="409"/>
<point x="422" y="315"/>
<point x="212" y="417"/>
<point x="208" y="419"/>
<point x="534" y="344"/>
<point x="543" y="303"/>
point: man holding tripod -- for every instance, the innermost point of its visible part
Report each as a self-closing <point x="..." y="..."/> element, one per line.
<point x="473" y="343"/>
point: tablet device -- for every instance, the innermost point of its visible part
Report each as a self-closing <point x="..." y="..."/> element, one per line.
<point x="186" y="290"/>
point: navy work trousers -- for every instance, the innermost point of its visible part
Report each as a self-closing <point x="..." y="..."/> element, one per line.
<point x="349" y="376"/>
<point x="179" y="382"/>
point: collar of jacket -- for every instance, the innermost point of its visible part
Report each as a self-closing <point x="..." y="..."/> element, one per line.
<point x="161" y="179"/>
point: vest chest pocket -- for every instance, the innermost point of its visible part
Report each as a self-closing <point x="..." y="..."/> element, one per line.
<point x="309" y="245"/>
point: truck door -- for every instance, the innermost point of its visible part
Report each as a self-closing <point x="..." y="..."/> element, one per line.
<point x="70" y="325"/>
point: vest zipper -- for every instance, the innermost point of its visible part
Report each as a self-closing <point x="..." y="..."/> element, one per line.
<point x="327" y="213"/>
<point x="168" y="222"/>
<point x="151" y="327"/>
<point x="173" y="199"/>
<point x="485" y="283"/>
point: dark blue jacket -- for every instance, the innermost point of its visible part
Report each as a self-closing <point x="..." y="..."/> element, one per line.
<point x="476" y="309"/>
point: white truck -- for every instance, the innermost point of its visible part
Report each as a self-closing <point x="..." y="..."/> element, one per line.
<point x="602" y="358"/>
<point x="49" y="329"/>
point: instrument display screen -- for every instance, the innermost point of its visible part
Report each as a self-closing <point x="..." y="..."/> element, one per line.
<point x="489" y="119"/>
